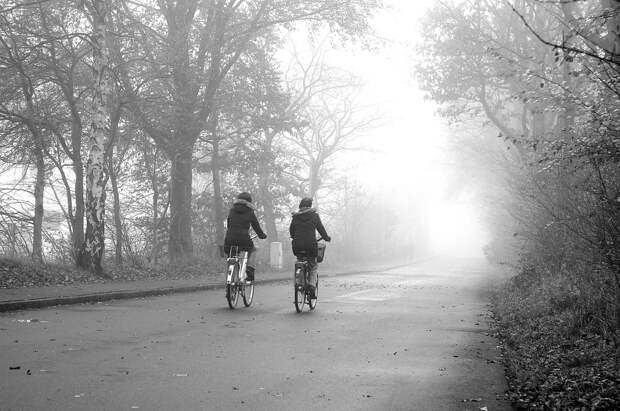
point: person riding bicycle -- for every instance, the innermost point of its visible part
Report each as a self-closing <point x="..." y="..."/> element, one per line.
<point x="240" y="217"/>
<point x="303" y="229"/>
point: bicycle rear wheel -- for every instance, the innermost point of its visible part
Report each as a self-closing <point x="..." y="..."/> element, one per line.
<point x="232" y="289"/>
<point x="248" y="293"/>
<point x="299" y="291"/>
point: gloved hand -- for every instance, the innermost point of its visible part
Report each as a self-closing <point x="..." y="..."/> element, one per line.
<point x="262" y="237"/>
<point x="328" y="239"/>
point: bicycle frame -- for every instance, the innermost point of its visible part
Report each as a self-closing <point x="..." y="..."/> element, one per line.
<point x="302" y="264"/>
<point x="236" y="257"/>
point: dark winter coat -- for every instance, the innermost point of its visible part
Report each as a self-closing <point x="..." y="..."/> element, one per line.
<point x="306" y="222"/>
<point x="240" y="217"/>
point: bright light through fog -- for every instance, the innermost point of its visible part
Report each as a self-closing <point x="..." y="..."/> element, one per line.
<point x="411" y="163"/>
<point x="456" y="231"/>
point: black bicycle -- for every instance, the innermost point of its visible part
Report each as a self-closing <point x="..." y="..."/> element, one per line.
<point x="302" y="290"/>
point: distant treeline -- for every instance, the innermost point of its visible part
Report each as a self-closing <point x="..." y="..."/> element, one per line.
<point x="127" y="127"/>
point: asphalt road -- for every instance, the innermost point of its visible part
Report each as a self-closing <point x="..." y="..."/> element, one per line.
<point x="414" y="338"/>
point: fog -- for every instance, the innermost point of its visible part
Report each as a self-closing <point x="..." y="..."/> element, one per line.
<point x="409" y="158"/>
<point x="399" y="157"/>
<point x="376" y="112"/>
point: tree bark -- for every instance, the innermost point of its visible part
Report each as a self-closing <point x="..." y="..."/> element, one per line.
<point x="39" y="187"/>
<point x="77" y="222"/>
<point x="152" y="170"/>
<point x="264" y="181"/>
<point x="112" y="173"/>
<point x="217" y="192"/>
<point x="95" y="185"/>
<point x="315" y="181"/>
<point x="180" y="238"/>
<point x="118" y="223"/>
<point x="154" y="238"/>
<point x="218" y="209"/>
<point x="267" y="200"/>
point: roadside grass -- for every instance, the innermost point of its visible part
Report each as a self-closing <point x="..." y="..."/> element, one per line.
<point x="23" y="272"/>
<point x="560" y="352"/>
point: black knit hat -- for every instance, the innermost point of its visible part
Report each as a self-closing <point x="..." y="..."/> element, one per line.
<point x="305" y="202"/>
<point x="245" y="196"/>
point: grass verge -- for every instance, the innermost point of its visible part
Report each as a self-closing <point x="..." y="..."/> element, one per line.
<point x="17" y="273"/>
<point x="555" y="358"/>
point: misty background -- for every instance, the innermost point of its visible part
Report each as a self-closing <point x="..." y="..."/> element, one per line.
<point x="386" y="182"/>
<point x="419" y="128"/>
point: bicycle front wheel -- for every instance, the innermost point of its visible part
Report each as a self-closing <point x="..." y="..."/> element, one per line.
<point x="248" y="293"/>
<point x="232" y="289"/>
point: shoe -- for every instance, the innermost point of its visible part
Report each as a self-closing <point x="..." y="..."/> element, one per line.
<point x="249" y="274"/>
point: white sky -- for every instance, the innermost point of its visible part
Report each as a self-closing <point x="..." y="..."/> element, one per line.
<point x="412" y="137"/>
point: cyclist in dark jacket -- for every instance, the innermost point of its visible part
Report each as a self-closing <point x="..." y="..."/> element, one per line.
<point x="304" y="225"/>
<point x="240" y="217"/>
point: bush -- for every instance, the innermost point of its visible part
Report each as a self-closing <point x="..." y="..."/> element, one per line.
<point x="559" y="352"/>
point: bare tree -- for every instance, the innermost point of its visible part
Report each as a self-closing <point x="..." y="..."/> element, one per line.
<point x="19" y="60"/>
<point x="333" y="119"/>
<point x="95" y="167"/>
<point x="198" y="45"/>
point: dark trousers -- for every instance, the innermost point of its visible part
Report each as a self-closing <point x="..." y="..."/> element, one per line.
<point x="312" y="270"/>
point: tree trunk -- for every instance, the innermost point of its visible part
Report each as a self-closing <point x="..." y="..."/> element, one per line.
<point x="154" y="238"/>
<point x="268" y="214"/>
<point x="118" y="224"/>
<point x="217" y="193"/>
<point x="95" y="185"/>
<point x="77" y="223"/>
<point x="39" y="187"/>
<point x="266" y="198"/>
<point x="315" y="181"/>
<point x="151" y="164"/>
<point x="180" y="241"/>
<point x="112" y="173"/>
